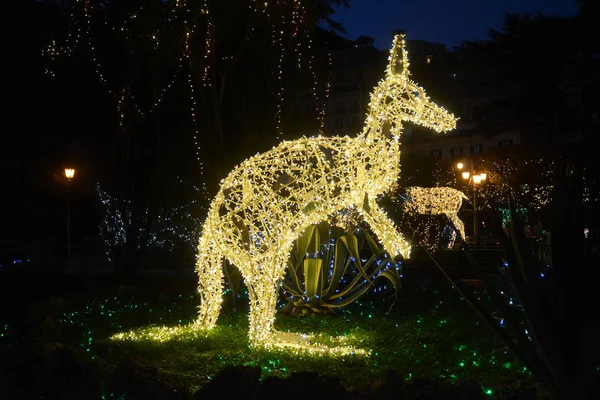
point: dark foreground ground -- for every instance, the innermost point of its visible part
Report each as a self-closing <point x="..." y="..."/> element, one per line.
<point x="55" y="342"/>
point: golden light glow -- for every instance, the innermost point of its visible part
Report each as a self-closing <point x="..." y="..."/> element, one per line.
<point x="476" y="178"/>
<point x="69" y="173"/>
<point x="266" y="202"/>
<point x="466" y="175"/>
<point x="297" y="343"/>
<point x="483" y="176"/>
<point x="460" y="165"/>
<point x="159" y="334"/>
<point x="437" y="201"/>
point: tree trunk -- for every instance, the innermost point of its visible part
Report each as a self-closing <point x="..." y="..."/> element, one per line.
<point x="569" y="261"/>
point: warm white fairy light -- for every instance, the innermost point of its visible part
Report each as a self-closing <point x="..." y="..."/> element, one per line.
<point x="268" y="200"/>
<point x="120" y="109"/>
<point x="320" y="108"/>
<point x="208" y="43"/>
<point x="277" y="35"/>
<point x="164" y="90"/>
<point x="325" y="99"/>
<point x="88" y="33"/>
<point x="436" y="201"/>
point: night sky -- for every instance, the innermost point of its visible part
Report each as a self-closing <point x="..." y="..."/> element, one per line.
<point x="440" y="21"/>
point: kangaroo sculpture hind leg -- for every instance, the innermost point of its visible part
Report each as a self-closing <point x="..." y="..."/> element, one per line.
<point x="263" y="289"/>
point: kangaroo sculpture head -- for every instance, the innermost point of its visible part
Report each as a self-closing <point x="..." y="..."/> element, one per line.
<point x="397" y="98"/>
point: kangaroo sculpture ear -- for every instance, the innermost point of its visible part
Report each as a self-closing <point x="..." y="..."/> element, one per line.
<point x="398" y="60"/>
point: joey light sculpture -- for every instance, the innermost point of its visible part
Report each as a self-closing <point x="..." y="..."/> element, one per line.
<point x="266" y="202"/>
<point x="437" y="201"/>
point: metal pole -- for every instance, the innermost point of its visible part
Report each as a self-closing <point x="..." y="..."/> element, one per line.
<point x="69" y="221"/>
<point x="475" y="219"/>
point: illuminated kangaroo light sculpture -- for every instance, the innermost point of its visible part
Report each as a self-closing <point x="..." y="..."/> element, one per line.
<point x="437" y="201"/>
<point x="266" y="202"/>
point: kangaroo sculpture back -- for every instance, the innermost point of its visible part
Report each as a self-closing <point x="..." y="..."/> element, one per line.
<point x="266" y="202"/>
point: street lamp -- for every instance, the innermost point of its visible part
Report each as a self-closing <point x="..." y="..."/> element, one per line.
<point x="475" y="179"/>
<point x="69" y="174"/>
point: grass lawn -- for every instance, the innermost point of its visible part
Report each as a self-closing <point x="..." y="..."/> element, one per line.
<point x="430" y="332"/>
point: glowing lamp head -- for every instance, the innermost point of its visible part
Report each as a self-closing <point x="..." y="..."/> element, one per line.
<point x="483" y="176"/>
<point x="69" y="173"/>
<point x="476" y="178"/>
<point x="465" y="175"/>
<point x="460" y="165"/>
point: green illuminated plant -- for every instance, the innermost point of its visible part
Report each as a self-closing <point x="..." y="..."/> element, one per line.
<point x="329" y="269"/>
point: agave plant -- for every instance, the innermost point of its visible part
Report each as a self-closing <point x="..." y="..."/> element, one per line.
<point x="329" y="269"/>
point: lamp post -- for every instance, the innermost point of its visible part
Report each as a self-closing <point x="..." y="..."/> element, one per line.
<point x="475" y="179"/>
<point x="69" y="174"/>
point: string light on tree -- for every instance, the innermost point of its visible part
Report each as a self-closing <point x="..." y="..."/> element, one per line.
<point x="208" y="43"/>
<point x="269" y="199"/>
<point x="323" y="112"/>
<point x="278" y="38"/>
<point x="173" y="227"/>
<point x="127" y="97"/>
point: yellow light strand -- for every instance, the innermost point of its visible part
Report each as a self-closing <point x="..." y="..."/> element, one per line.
<point x="208" y="44"/>
<point x="280" y="83"/>
<point x="326" y="97"/>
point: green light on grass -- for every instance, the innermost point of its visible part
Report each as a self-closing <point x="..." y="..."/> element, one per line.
<point x="489" y="392"/>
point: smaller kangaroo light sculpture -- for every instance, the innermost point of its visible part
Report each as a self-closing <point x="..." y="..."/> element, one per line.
<point x="437" y="201"/>
<point x="266" y="202"/>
